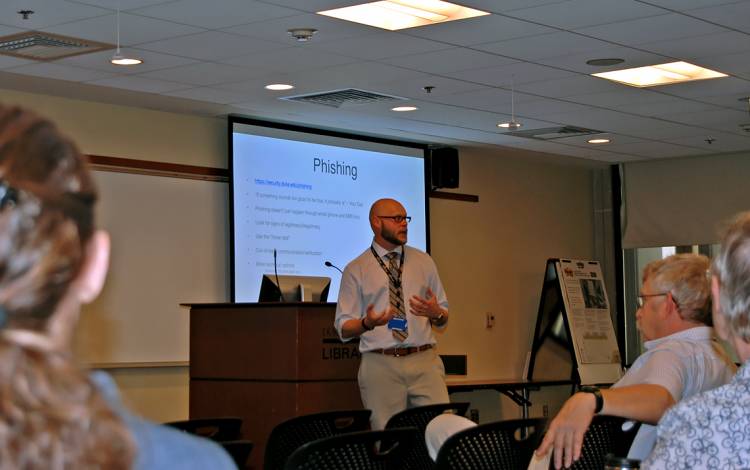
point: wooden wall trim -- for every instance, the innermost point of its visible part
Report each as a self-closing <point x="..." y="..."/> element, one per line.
<point x="146" y="167"/>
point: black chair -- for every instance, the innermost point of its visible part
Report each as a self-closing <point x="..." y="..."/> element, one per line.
<point x="493" y="446"/>
<point x="216" y="429"/>
<point x="365" y="450"/>
<point x="604" y="436"/>
<point x="288" y="436"/>
<point x="419" y="417"/>
<point x="239" y="450"/>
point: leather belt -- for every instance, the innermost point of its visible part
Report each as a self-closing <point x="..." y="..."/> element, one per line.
<point x="398" y="352"/>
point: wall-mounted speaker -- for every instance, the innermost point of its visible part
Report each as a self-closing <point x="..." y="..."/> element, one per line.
<point x="444" y="167"/>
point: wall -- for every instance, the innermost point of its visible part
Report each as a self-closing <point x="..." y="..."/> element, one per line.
<point x="491" y="254"/>
<point x="492" y="257"/>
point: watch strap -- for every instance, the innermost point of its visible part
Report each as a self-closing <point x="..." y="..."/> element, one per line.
<point x="597" y="395"/>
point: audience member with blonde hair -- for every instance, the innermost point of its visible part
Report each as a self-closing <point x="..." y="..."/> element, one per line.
<point x="681" y="359"/>
<point x="712" y="429"/>
<point x="53" y="414"/>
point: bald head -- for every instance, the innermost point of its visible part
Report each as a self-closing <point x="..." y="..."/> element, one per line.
<point x="388" y="233"/>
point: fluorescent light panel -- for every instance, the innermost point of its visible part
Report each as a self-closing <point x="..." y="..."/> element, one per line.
<point x="661" y="74"/>
<point x="401" y="14"/>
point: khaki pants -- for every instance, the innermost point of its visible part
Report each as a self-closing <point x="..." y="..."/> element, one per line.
<point x="391" y="384"/>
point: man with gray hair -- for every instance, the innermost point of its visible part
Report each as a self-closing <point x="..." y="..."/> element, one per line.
<point x="681" y="359"/>
<point x="712" y="429"/>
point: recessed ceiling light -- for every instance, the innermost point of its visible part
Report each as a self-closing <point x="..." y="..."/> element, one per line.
<point x="119" y="59"/>
<point x="598" y="141"/>
<point x="401" y="109"/>
<point x="512" y="125"/>
<point x="604" y="62"/>
<point x="279" y="87"/>
<point x="400" y="14"/>
<point x="661" y="74"/>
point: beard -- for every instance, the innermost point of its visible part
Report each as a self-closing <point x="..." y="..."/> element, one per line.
<point x="392" y="237"/>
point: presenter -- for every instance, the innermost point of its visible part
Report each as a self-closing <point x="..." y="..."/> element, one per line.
<point x="400" y="367"/>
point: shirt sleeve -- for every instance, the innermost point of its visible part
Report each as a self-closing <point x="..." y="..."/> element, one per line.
<point x="436" y="285"/>
<point x="349" y="304"/>
<point x="663" y="368"/>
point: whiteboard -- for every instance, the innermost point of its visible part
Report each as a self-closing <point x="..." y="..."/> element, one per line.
<point x="169" y="246"/>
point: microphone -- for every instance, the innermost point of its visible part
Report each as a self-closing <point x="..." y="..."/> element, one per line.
<point x="276" y="273"/>
<point x="331" y="265"/>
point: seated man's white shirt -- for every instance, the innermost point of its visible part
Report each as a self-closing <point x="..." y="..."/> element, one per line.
<point x="441" y="428"/>
<point x="685" y="363"/>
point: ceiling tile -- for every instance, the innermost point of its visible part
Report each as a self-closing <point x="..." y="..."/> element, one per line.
<point x="734" y="15"/>
<point x="101" y="61"/>
<point x="519" y="73"/>
<point x="312" y="5"/>
<point x="693" y="48"/>
<point x="329" y="29"/>
<point x="60" y="72"/>
<point x="46" y="13"/>
<point x="726" y="120"/>
<point x="577" y="61"/>
<point x="684" y="5"/>
<point x="543" y="46"/>
<point x="9" y="62"/>
<point x="289" y="60"/>
<point x="478" y="30"/>
<point x="147" y="85"/>
<point x="203" y="73"/>
<point x="368" y="75"/>
<point x="732" y="64"/>
<point x="134" y="29"/>
<point x="582" y="13"/>
<point x="210" y="45"/>
<point x="212" y="95"/>
<point x="413" y="87"/>
<point x="656" y="149"/>
<point x="506" y="5"/>
<point x="215" y="16"/>
<point x="378" y="46"/>
<point x="708" y="88"/>
<point x="652" y="29"/>
<point x="448" y="60"/>
<point x="722" y="142"/>
<point x="569" y="86"/>
<point x="123" y="6"/>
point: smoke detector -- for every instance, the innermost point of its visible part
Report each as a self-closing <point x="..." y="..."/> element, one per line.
<point x="302" y="34"/>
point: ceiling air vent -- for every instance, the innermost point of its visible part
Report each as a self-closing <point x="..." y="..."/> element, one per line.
<point x="346" y="97"/>
<point x="551" y="133"/>
<point x="36" y="45"/>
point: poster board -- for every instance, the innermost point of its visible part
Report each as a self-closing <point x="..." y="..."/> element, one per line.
<point x="574" y="316"/>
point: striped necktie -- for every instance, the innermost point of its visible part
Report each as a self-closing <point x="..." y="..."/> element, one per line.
<point x="396" y="294"/>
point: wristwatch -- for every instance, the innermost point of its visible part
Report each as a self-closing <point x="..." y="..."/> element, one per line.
<point x="597" y="394"/>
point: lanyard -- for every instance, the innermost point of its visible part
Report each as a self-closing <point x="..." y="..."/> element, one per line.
<point x="395" y="280"/>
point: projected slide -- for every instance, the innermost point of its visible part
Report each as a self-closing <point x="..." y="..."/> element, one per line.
<point x="310" y="203"/>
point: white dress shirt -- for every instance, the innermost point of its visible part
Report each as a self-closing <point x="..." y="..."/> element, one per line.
<point x="364" y="282"/>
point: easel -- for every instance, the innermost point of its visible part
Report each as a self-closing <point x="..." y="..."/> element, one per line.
<point x="574" y="314"/>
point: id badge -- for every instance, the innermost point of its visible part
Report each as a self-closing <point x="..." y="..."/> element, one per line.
<point x="397" y="324"/>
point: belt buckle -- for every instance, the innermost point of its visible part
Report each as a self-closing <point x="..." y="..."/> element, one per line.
<point x="396" y="353"/>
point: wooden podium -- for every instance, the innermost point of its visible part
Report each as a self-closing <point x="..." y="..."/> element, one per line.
<point x="268" y="362"/>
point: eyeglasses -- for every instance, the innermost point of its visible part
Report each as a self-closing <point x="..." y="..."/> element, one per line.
<point x="397" y="218"/>
<point x="641" y="299"/>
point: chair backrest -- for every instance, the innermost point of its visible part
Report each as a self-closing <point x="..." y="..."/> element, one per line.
<point x="239" y="450"/>
<point x="604" y="436"/>
<point x="288" y="436"/>
<point x="216" y="429"/>
<point x="493" y="446"/>
<point x="419" y="417"/>
<point x="365" y="450"/>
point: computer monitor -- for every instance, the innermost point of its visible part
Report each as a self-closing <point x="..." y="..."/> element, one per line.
<point x="294" y="288"/>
